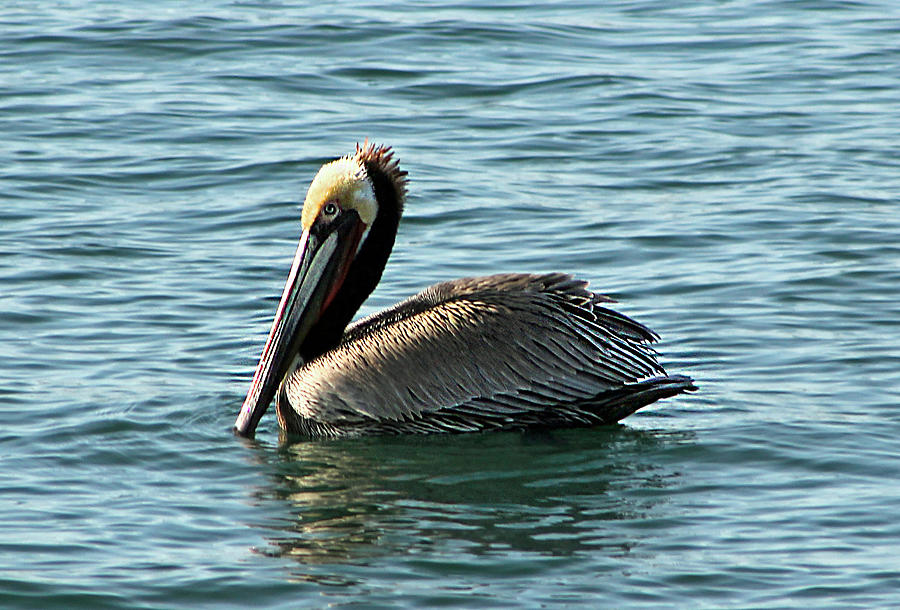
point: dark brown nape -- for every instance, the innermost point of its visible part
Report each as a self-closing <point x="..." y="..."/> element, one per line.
<point x="389" y="183"/>
<point x="384" y="171"/>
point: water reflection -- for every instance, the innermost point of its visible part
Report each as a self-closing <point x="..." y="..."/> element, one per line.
<point x="553" y="495"/>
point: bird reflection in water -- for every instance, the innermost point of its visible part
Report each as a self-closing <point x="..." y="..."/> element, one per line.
<point x="534" y="495"/>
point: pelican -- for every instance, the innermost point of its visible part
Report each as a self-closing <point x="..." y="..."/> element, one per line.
<point x="500" y="352"/>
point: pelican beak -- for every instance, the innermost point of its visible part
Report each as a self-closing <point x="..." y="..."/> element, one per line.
<point x="320" y="265"/>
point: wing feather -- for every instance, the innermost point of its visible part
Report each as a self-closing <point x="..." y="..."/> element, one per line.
<point x="485" y="348"/>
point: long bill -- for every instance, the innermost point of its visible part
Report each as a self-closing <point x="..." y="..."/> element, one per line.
<point x="319" y="268"/>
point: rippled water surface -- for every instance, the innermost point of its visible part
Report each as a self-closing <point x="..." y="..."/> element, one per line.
<point x="728" y="172"/>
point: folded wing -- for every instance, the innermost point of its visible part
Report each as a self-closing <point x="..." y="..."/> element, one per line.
<point x="503" y="351"/>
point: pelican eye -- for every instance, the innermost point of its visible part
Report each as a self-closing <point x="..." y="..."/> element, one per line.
<point x="329" y="209"/>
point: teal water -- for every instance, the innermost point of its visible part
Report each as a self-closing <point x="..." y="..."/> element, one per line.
<point x="728" y="172"/>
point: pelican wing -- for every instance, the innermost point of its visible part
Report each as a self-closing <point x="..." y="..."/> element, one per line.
<point x="476" y="353"/>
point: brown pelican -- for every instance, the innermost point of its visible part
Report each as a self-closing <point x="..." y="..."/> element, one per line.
<point x="500" y="352"/>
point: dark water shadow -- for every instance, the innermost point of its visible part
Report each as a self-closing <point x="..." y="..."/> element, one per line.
<point x="550" y="495"/>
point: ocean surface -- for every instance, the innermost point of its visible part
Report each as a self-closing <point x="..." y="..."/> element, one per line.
<point x="729" y="172"/>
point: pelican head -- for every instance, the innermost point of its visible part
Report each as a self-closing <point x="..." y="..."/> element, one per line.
<point x="349" y="221"/>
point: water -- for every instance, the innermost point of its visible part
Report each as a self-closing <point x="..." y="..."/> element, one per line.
<point x="728" y="172"/>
